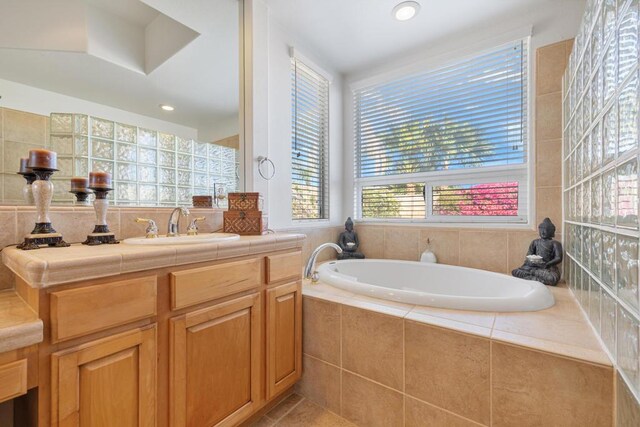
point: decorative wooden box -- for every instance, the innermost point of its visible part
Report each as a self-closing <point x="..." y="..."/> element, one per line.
<point x="202" y="201"/>
<point x="245" y="223"/>
<point x="244" y="201"/>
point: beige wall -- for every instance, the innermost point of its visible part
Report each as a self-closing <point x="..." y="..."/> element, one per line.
<point x="19" y="132"/>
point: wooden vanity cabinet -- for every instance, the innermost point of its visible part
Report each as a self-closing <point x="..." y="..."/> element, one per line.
<point x="206" y="344"/>
<point x="106" y="382"/>
<point x="284" y="337"/>
<point x="215" y="364"/>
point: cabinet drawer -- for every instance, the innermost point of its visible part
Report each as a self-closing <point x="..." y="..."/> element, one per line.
<point x="13" y="379"/>
<point x="190" y="287"/>
<point x="77" y="312"/>
<point x="284" y="266"/>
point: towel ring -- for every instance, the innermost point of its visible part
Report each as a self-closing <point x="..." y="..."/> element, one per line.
<point x="262" y="160"/>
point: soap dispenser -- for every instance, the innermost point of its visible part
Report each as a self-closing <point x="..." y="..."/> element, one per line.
<point x="428" y="255"/>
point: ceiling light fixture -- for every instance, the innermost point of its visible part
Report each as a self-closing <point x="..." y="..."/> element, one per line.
<point x="406" y="10"/>
<point x="166" y="107"/>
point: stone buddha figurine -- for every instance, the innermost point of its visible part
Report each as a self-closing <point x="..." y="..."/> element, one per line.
<point x="349" y="243"/>
<point x="543" y="257"/>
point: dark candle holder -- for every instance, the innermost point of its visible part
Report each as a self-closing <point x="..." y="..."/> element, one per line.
<point x="101" y="233"/>
<point x="27" y="191"/>
<point x="82" y="195"/>
<point x="43" y="233"/>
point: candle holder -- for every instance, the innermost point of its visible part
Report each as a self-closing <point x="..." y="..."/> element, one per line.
<point x="101" y="233"/>
<point x="27" y="190"/>
<point x="43" y="233"/>
<point x="82" y="195"/>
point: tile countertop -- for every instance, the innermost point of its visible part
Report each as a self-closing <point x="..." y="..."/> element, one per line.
<point x="19" y="324"/>
<point x="562" y="329"/>
<point x="53" y="266"/>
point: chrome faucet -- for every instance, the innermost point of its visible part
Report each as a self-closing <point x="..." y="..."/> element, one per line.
<point x="173" y="228"/>
<point x="310" y="269"/>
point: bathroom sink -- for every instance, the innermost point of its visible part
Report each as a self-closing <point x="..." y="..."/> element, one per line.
<point x="183" y="240"/>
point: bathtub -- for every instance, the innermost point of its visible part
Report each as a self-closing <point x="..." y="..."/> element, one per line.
<point x="436" y="285"/>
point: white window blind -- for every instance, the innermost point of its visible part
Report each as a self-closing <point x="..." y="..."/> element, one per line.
<point x="309" y="143"/>
<point x="462" y="125"/>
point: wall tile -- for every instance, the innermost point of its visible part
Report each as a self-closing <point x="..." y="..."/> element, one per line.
<point x="320" y="383"/>
<point x="372" y="346"/>
<point x="400" y="243"/>
<point x="627" y="407"/>
<point x="20" y="126"/>
<point x="549" y="164"/>
<point x="549" y="116"/>
<point x="531" y="388"/>
<point x="550" y="65"/>
<point x="448" y="369"/>
<point x="369" y="404"/>
<point x="419" y="414"/>
<point x="549" y="205"/>
<point x="444" y="244"/>
<point x="486" y="250"/>
<point x="371" y="241"/>
<point x="321" y="329"/>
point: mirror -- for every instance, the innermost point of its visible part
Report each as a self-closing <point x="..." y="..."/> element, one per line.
<point x="147" y="90"/>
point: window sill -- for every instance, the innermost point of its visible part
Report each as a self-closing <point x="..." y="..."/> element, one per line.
<point x="431" y="224"/>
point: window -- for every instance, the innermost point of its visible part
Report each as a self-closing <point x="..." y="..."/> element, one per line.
<point x="309" y="143"/>
<point x="448" y="144"/>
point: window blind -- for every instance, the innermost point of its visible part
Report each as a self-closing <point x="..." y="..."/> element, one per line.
<point x="310" y="142"/>
<point x="463" y="119"/>
<point x="492" y="199"/>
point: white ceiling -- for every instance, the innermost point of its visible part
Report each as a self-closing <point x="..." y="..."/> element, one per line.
<point x="355" y="34"/>
<point x="200" y="80"/>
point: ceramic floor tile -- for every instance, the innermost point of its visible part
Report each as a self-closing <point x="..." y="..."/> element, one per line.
<point x="308" y="414"/>
<point x="283" y="408"/>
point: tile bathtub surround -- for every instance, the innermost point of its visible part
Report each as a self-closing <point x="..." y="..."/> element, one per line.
<point x="600" y="185"/>
<point x="452" y="367"/>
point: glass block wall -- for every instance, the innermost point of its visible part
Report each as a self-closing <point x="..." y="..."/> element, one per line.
<point x="149" y="168"/>
<point x="600" y="163"/>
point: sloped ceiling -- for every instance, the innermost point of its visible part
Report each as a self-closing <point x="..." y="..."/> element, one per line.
<point x="128" y="54"/>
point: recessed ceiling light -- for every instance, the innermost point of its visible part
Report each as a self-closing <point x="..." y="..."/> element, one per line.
<point x="166" y="107"/>
<point x="406" y="10"/>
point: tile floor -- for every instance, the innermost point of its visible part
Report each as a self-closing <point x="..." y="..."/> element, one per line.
<point x="296" y="411"/>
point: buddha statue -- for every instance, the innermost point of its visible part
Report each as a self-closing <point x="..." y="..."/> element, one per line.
<point x="543" y="257"/>
<point x="349" y="243"/>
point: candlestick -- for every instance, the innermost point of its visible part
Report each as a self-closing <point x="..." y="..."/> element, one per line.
<point x="29" y="176"/>
<point x="101" y="234"/>
<point x="43" y="233"/>
<point x="100" y="180"/>
<point x="79" y="183"/>
<point x="39" y="158"/>
<point x="24" y="168"/>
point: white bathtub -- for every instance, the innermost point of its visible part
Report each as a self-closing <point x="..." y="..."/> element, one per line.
<point x="436" y="285"/>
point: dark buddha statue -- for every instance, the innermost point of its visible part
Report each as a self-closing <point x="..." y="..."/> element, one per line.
<point x="543" y="257"/>
<point x="349" y="243"/>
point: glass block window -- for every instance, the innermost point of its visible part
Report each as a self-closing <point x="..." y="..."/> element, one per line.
<point x="601" y="201"/>
<point x="149" y="168"/>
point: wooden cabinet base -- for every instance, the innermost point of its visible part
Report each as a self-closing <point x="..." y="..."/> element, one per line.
<point x="205" y="344"/>
<point x="215" y="359"/>
<point x="106" y="380"/>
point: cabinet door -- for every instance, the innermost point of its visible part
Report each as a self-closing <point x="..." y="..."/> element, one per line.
<point x="284" y="337"/>
<point x="215" y="364"/>
<point x="107" y="381"/>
